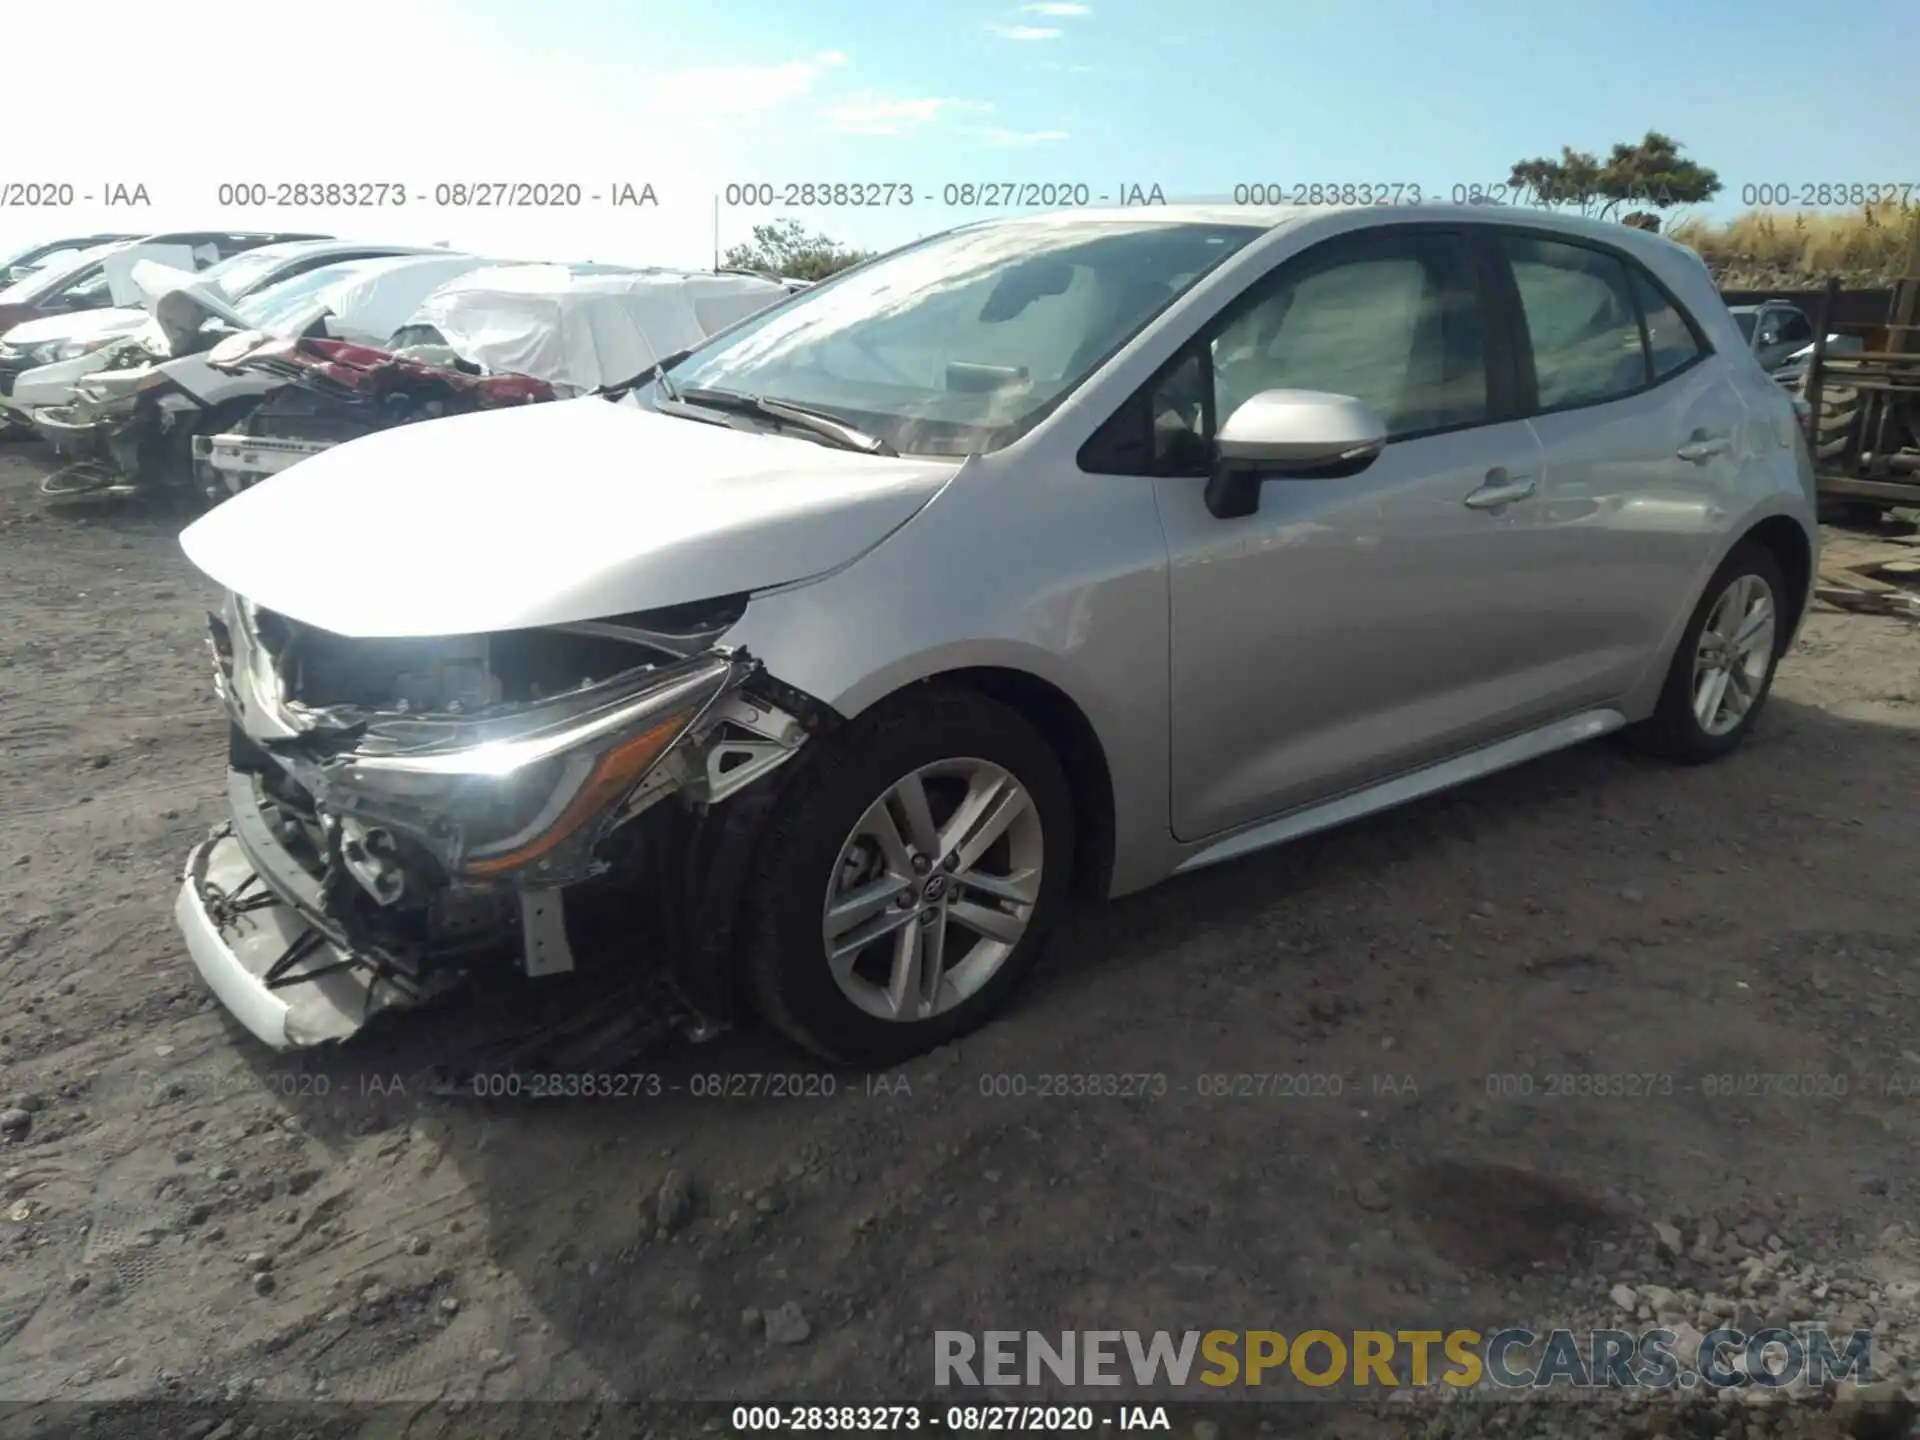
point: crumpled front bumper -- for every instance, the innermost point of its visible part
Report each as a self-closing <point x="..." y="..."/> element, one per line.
<point x="247" y="911"/>
<point x="78" y="431"/>
<point x="291" y="911"/>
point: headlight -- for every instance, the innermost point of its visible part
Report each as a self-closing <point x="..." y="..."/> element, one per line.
<point x="45" y="354"/>
<point x="536" y="799"/>
<point x="111" y="385"/>
<point x="74" y="349"/>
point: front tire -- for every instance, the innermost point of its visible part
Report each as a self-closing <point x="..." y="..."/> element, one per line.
<point x="909" y="877"/>
<point x="1723" y="669"/>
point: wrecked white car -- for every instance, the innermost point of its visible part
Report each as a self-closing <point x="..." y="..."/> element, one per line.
<point x="493" y="337"/>
<point x="133" y="423"/>
<point x="63" y="350"/>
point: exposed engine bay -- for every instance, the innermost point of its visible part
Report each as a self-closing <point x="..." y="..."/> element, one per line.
<point x="409" y="810"/>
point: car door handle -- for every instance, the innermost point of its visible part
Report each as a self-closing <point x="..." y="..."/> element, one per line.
<point x="1500" y="489"/>
<point x="1703" y="448"/>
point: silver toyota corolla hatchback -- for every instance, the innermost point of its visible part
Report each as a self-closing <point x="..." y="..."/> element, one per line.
<point x="1042" y="559"/>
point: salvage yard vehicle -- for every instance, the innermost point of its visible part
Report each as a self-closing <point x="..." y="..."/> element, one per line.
<point x="96" y="279"/>
<point x="16" y="265"/>
<point x="568" y="331"/>
<point x="76" y="286"/>
<point x="65" y="291"/>
<point x="55" y="353"/>
<point x="1045" y="558"/>
<point x="134" y="422"/>
<point x="1776" y="330"/>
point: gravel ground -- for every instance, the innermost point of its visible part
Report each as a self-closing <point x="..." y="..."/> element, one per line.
<point x="185" y="1215"/>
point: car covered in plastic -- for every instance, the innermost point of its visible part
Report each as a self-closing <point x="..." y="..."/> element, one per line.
<point x="134" y="421"/>
<point x="500" y="336"/>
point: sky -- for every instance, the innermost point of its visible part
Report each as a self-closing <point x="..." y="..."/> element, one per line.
<point x="1192" y="98"/>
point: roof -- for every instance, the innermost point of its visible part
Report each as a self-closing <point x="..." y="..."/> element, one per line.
<point x="1286" y="217"/>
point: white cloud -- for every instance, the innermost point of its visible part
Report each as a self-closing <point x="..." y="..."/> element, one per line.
<point x="1027" y="32"/>
<point x="1062" y="8"/>
<point x="872" y="114"/>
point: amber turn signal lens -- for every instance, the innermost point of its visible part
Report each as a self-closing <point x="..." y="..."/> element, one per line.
<point x="616" y="772"/>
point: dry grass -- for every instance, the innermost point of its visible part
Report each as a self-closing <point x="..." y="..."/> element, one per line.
<point x="1766" y="249"/>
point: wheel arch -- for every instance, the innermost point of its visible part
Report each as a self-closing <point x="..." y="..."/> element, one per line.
<point x="1786" y="539"/>
<point x="1074" y="741"/>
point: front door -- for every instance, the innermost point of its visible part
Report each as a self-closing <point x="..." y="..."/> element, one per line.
<point x="1350" y="628"/>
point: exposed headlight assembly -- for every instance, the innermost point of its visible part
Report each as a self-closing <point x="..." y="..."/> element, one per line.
<point x="74" y="349"/>
<point x="530" y="794"/>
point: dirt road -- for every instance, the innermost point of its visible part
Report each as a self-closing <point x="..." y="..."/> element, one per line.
<point x="184" y="1214"/>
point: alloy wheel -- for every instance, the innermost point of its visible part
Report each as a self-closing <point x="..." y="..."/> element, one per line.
<point x="933" y="889"/>
<point x="1734" y="652"/>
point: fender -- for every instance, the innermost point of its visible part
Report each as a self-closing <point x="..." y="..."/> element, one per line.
<point x="1641" y="699"/>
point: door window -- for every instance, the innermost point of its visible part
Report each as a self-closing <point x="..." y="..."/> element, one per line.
<point x="1394" y="323"/>
<point x="1794" y="328"/>
<point x="1581" y="320"/>
<point x="1391" y="319"/>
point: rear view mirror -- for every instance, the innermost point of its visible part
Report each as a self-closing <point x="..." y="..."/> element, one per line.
<point x="1296" y="434"/>
<point x="1023" y="285"/>
<point x="964" y="377"/>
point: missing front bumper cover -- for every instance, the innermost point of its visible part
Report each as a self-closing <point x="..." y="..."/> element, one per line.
<point x="328" y="898"/>
<point x="281" y="976"/>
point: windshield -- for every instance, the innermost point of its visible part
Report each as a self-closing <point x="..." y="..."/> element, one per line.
<point x="64" y="267"/>
<point x="238" y="274"/>
<point x="960" y="343"/>
<point x="1744" y="319"/>
<point x="36" y="254"/>
<point x="277" y="304"/>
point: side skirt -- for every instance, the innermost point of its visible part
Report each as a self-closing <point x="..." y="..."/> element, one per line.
<point x="1516" y="750"/>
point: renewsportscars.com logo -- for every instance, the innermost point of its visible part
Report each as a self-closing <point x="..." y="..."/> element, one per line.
<point x="1320" y="1359"/>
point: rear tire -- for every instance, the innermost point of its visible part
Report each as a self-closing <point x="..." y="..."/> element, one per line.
<point x="922" y="949"/>
<point x="1839" y="418"/>
<point x="1720" y="677"/>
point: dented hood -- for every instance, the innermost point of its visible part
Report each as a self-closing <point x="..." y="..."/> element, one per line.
<point x="546" y="515"/>
<point x="75" y="325"/>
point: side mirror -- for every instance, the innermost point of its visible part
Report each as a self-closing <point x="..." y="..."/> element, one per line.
<point x="1290" y="434"/>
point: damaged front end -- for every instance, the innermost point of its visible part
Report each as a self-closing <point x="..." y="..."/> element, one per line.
<point x="407" y="813"/>
<point x="117" y="428"/>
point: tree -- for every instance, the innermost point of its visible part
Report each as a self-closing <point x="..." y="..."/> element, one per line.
<point x="1651" y="173"/>
<point x="786" y="248"/>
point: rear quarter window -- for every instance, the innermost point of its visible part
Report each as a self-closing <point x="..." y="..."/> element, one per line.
<point x="1671" y="343"/>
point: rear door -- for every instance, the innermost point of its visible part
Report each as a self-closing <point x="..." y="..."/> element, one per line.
<point x="1642" y="433"/>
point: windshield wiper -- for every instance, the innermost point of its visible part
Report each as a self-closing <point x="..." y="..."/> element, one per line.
<point x="654" y="372"/>
<point x="842" y="434"/>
